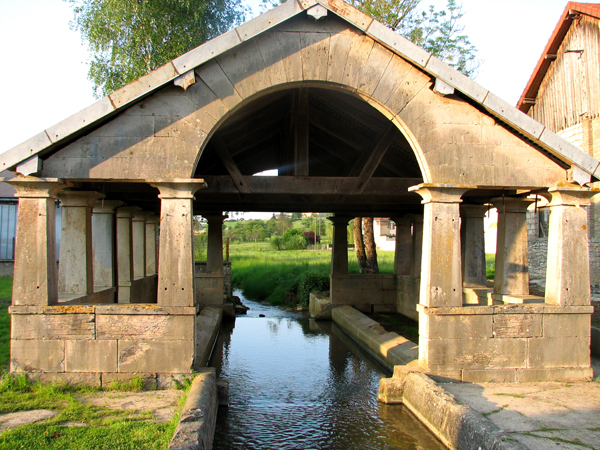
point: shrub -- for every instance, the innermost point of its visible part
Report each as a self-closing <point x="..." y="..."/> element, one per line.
<point x="276" y="242"/>
<point x="311" y="282"/>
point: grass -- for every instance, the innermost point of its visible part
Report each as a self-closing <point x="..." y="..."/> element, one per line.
<point x="5" y="297"/>
<point x="267" y="274"/>
<point x="106" y="428"/>
<point x="490" y="265"/>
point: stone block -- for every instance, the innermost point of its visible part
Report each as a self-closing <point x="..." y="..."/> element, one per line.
<point x="517" y="325"/>
<point x="566" y="325"/>
<point x="155" y="356"/>
<point x="152" y="326"/>
<point x="319" y="306"/>
<point x="53" y="326"/>
<point x="477" y="353"/>
<point x="35" y="355"/>
<point x="91" y="356"/>
<point x="456" y="326"/>
<point x="550" y="352"/>
<point x="208" y="323"/>
<point x="554" y="374"/>
<point x="71" y="379"/>
<point x="489" y="375"/>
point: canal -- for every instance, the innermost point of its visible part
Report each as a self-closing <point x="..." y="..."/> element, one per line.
<point x="296" y="383"/>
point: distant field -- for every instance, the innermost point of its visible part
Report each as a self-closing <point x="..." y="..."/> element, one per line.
<point x="267" y="275"/>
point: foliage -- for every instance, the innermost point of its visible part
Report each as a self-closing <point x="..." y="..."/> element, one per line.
<point x="311" y="282"/>
<point x="294" y="239"/>
<point x="490" y="265"/>
<point x="437" y="31"/>
<point x="129" y="38"/>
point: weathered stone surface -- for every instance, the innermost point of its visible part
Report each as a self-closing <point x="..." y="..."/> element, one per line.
<point x="36" y="355"/>
<point x="71" y="379"/>
<point x="152" y="326"/>
<point x="455" y="327"/>
<point x="155" y="356"/>
<point x="517" y="325"/>
<point x="207" y="324"/>
<point x="319" y="306"/>
<point x="90" y="356"/>
<point x="53" y="326"/>
<point x="566" y="325"/>
<point x="567" y="352"/>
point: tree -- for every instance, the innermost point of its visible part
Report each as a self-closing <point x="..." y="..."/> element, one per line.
<point x="437" y="31"/>
<point x="129" y="38"/>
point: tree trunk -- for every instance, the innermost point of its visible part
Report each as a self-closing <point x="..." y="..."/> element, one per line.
<point x="359" y="245"/>
<point x="370" y="247"/>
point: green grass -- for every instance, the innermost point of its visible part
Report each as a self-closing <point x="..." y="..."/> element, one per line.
<point x="490" y="265"/>
<point x="106" y="428"/>
<point x="267" y="274"/>
<point x="5" y="297"/>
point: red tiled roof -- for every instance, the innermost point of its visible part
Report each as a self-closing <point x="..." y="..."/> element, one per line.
<point x="562" y="27"/>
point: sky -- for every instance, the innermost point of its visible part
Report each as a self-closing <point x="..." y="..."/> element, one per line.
<point x="43" y="70"/>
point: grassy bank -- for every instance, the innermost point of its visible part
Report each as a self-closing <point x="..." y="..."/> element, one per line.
<point x="97" y="427"/>
<point x="5" y="296"/>
<point x="268" y="275"/>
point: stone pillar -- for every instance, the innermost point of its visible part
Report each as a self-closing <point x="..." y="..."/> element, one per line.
<point x="214" y="251"/>
<point x="417" y="245"/>
<point x="35" y="280"/>
<point x="151" y="225"/>
<point x="75" y="273"/>
<point x="339" y="257"/>
<point x="568" y="268"/>
<point x="124" y="253"/>
<point x="138" y="243"/>
<point x="176" y="246"/>
<point x="403" y="253"/>
<point x="103" y="247"/>
<point x="441" y="278"/>
<point x="472" y="240"/>
<point x="512" y="266"/>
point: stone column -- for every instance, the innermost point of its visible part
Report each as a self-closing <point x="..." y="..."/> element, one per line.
<point x="403" y="253"/>
<point x="568" y="267"/>
<point x="75" y="270"/>
<point x="35" y="280"/>
<point x="441" y="279"/>
<point x="151" y="225"/>
<point x="103" y="247"/>
<point x="472" y="240"/>
<point x="176" y="246"/>
<point x="417" y="245"/>
<point x="339" y="257"/>
<point x="125" y="253"/>
<point x="214" y="251"/>
<point x="138" y="243"/>
<point x="512" y="266"/>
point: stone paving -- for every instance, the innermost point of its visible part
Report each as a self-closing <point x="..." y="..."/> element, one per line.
<point x="542" y="416"/>
<point x="163" y="404"/>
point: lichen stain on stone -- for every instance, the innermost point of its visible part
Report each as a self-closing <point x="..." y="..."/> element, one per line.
<point x="133" y="353"/>
<point x="70" y="309"/>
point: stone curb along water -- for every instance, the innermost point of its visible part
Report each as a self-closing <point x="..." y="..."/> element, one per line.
<point x="456" y="425"/>
<point x="196" y="428"/>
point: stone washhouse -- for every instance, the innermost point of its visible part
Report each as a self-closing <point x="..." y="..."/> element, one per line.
<point x="359" y="122"/>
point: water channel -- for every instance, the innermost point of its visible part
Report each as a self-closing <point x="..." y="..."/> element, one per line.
<point x="296" y="383"/>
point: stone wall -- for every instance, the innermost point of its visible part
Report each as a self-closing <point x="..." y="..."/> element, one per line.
<point x="97" y="344"/>
<point x="538" y="250"/>
<point x="367" y="293"/>
<point x="200" y="268"/>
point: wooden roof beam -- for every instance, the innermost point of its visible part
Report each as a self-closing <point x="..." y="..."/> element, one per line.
<point x="231" y="166"/>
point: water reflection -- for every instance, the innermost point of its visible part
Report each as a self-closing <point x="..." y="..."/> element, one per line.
<point x="300" y="384"/>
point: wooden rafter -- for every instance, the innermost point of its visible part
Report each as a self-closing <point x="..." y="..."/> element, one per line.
<point x="231" y="166"/>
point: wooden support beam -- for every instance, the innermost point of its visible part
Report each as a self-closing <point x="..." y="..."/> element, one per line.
<point x="301" y="135"/>
<point x="232" y="168"/>
<point x="369" y="166"/>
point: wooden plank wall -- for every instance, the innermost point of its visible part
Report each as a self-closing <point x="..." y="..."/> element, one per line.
<point x="570" y="91"/>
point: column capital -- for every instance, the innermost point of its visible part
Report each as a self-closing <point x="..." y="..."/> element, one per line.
<point x="178" y="187"/>
<point x="152" y="218"/>
<point x="70" y="198"/>
<point x="212" y="217"/>
<point x="33" y="187"/>
<point x="127" y="211"/>
<point x="440" y="192"/>
<point x="336" y="220"/>
<point x="512" y="204"/>
<point x="571" y="195"/>
<point x="106" y="206"/>
<point x="402" y="221"/>
<point x="141" y="216"/>
<point x="473" y="211"/>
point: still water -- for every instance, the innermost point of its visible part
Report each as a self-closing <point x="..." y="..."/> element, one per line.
<point x="296" y="383"/>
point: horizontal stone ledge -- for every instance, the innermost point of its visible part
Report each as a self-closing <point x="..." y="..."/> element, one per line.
<point x="117" y="308"/>
<point x="535" y="308"/>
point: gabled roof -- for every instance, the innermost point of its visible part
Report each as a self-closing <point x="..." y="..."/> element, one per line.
<point x="572" y="10"/>
<point x="175" y="71"/>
